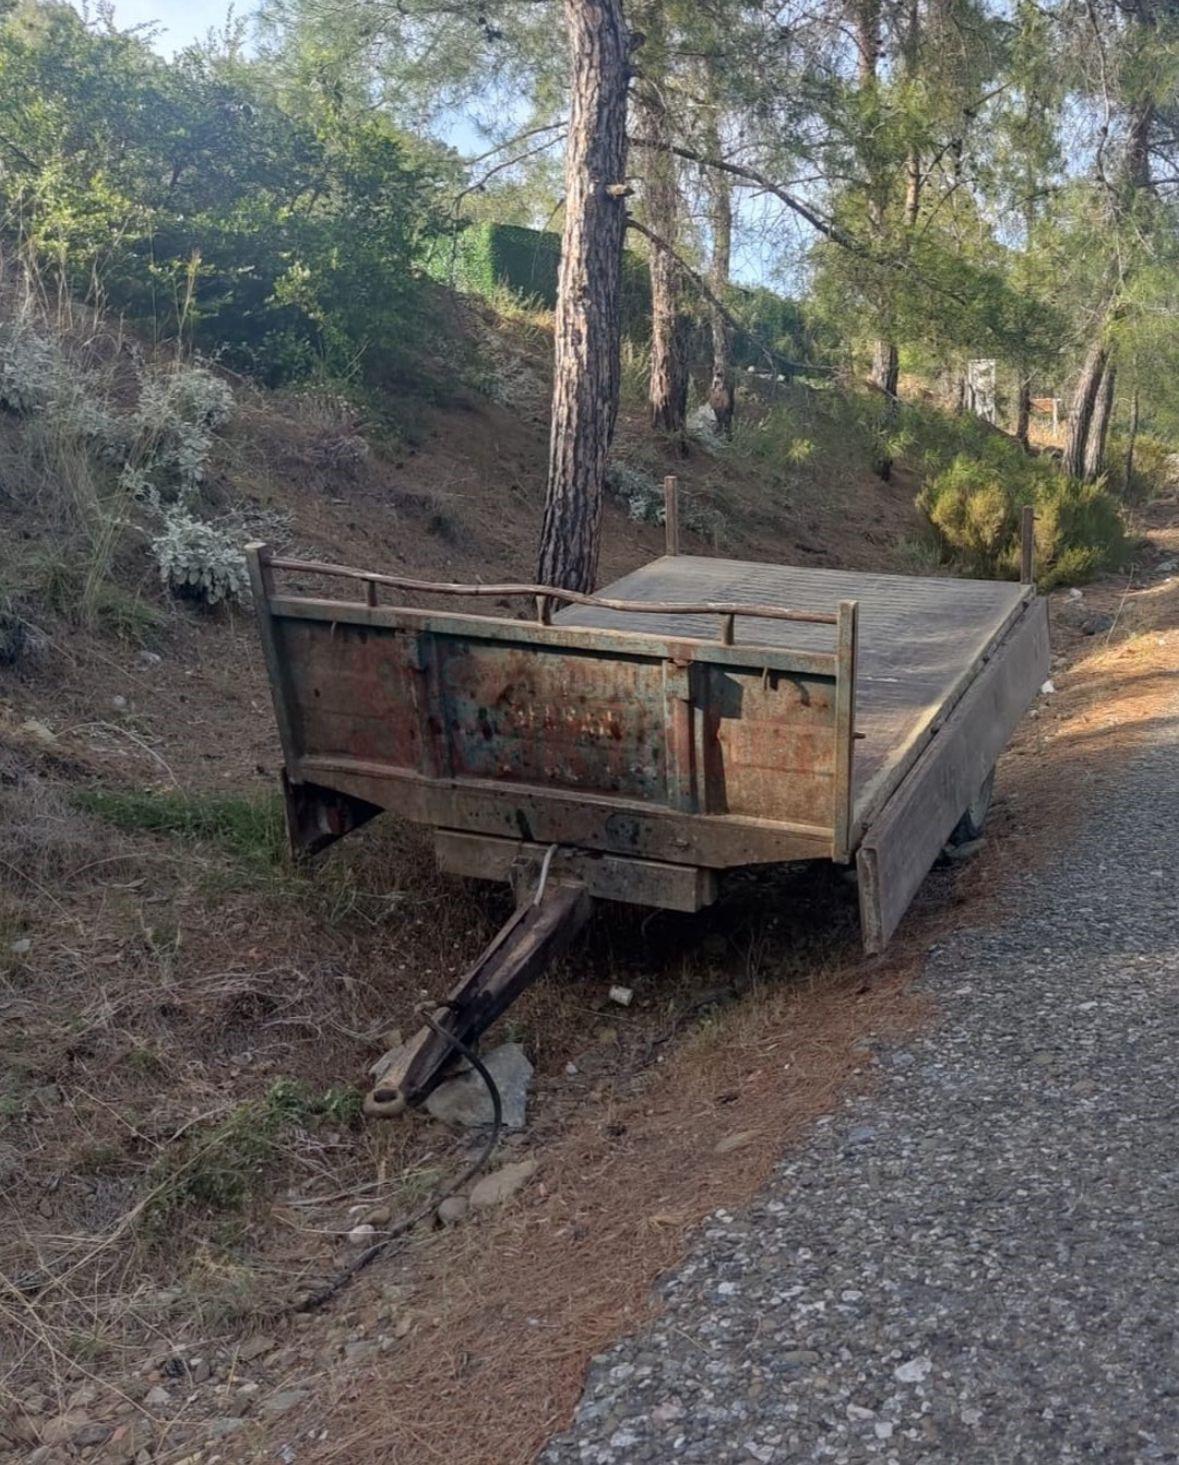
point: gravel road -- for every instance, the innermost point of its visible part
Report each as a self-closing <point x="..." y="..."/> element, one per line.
<point x="980" y="1260"/>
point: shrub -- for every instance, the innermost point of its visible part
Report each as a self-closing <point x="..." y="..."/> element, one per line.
<point x="974" y="512"/>
<point x="30" y="365"/>
<point x="199" y="560"/>
<point x="974" y="506"/>
<point x="180" y="409"/>
<point x="1079" y="531"/>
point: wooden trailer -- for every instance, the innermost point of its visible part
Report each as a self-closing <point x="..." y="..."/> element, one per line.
<point x="697" y="715"/>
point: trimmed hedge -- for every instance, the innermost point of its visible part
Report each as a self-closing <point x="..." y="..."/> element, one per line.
<point x="485" y="257"/>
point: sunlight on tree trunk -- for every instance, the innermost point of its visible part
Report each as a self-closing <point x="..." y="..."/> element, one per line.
<point x="1080" y="417"/>
<point x="721" y="394"/>
<point x="587" y="324"/>
<point x="1095" y="446"/>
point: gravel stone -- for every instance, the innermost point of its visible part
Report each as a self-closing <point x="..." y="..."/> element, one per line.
<point x="978" y="1261"/>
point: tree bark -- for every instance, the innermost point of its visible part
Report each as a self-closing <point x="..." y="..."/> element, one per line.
<point x="1084" y="403"/>
<point x="721" y="391"/>
<point x="1098" y="431"/>
<point x="587" y="325"/>
<point x="1023" y="413"/>
<point x="660" y="207"/>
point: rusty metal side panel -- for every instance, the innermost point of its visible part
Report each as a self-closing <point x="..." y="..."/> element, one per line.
<point x="559" y="719"/>
<point x="769" y="744"/>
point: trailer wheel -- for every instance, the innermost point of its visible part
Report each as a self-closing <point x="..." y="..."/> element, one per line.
<point x="974" y="816"/>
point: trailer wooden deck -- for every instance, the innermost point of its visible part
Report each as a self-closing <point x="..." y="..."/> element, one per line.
<point x="921" y="642"/>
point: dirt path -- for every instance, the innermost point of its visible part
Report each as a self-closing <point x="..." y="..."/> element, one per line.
<point x="977" y="1261"/>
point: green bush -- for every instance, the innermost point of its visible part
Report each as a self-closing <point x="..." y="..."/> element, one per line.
<point x="974" y="502"/>
<point x="974" y="512"/>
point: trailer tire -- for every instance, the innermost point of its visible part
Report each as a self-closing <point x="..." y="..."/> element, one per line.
<point x="974" y="816"/>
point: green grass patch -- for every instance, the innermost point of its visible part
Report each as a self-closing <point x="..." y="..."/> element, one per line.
<point x="250" y="829"/>
<point x="220" y="1166"/>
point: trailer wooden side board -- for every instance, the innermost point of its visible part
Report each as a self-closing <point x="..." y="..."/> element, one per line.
<point x="902" y="843"/>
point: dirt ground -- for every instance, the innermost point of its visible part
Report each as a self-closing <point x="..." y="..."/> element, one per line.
<point x="185" y="1022"/>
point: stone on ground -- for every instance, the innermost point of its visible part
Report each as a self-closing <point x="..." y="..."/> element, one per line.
<point x="502" y="1184"/>
<point x="464" y="1100"/>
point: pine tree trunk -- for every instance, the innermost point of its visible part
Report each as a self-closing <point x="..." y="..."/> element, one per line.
<point x="1023" y="413"/>
<point x="588" y="320"/>
<point x="1102" y="412"/>
<point x="721" y="391"/>
<point x="886" y="372"/>
<point x="668" y="393"/>
<point x="1080" y="417"/>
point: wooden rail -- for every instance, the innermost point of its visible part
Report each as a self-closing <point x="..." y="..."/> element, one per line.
<point x="726" y="610"/>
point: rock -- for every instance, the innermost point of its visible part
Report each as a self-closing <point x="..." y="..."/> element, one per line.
<point x="92" y="1434"/>
<point x="361" y="1235"/>
<point x="217" y="1429"/>
<point x="379" y="1216"/>
<point x="254" y="1347"/>
<point x="799" y="1357"/>
<point x="1075" y="594"/>
<point x="63" y="1427"/>
<point x="967" y="851"/>
<point x="119" y="703"/>
<point x="150" y="658"/>
<point x="404" y="1326"/>
<point x="733" y="1142"/>
<point x="21" y="947"/>
<point x="913" y="1372"/>
<point x="157" y="1398"/>
<point x="1097" y="625"/>
<point x="453" y="1209"/>
<point x="502" y="1184"/>
<point x="624" y="996"/>
<point x="198" y="1370"/>
<point x="465" y="1100"/>
<point x="1047" y="688"/>
<point x="282" y="1401"/>
<point x="360" y="1350"/>
<point x="129" y="1441"/>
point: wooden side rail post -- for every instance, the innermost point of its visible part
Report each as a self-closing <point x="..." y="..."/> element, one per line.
<point x="258" y="561"/>
<point x="843" y="798"/>
<point x="671" y="514"/>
